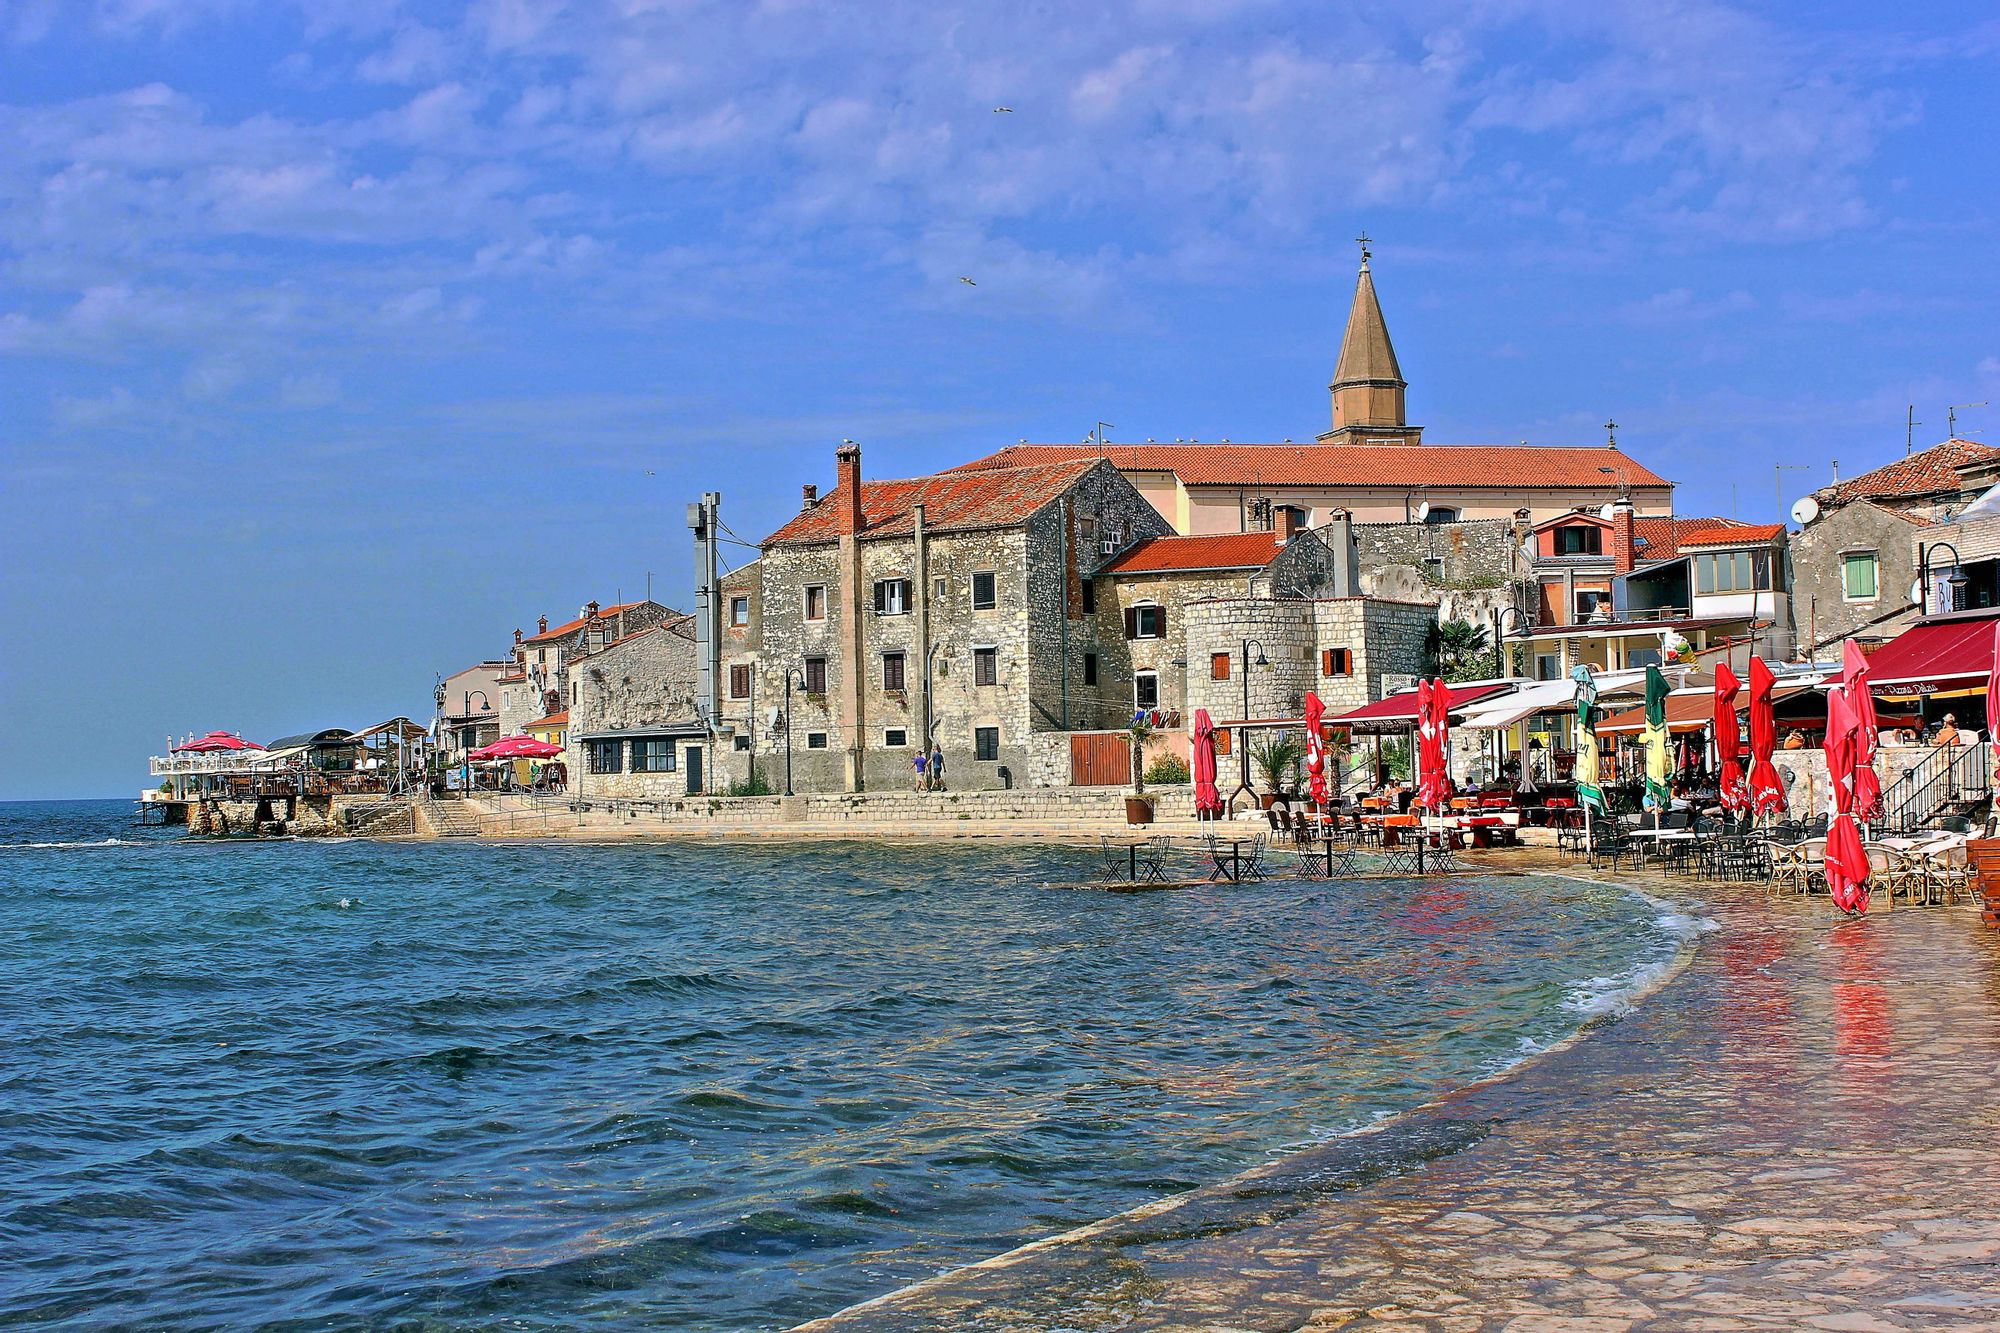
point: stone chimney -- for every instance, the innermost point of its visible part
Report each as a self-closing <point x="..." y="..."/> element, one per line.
<point x="1624" y="545"/>
<point x="1285" y="524"/>
<point x="810" y="499"/>
<point x="542" y="625"/>
<point x="517" y="636"/>
<point x="590" y="610"/>
<point x="847" y="471"/>
<point x="1339" y="537"/>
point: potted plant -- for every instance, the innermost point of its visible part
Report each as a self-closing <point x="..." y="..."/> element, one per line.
<point x="1138" y="805"/>
<point x="1277" y="758"/>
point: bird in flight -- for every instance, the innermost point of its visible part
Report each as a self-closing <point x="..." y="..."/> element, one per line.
<point x="967" y="281"/>
<point x="1000" y="109"/>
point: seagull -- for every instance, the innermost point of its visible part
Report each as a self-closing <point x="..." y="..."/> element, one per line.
<point x="967" y="281"/>
<point x="998" y="110"/>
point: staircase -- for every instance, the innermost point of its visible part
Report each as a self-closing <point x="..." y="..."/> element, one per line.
<point x="448" y="819"/>
<point x="382" y="819"/>
<point x="1952" y="779"/>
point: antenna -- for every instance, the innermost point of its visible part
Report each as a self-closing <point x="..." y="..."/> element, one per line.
<point x="1951" y="418"/>
<point x="1778" y="480"/>
<point x="1910" y="424"/>
<point x="1097" y="435"/>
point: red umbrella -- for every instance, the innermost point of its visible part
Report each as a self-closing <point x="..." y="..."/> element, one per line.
<point x="1993" y="692"/>
<point x="516" y="747"/>
<point x="1433" y="736"/>
<point x="1315" y="750"/>
<point x="1846" y="859"/>
<point x="1767" y="794"/>
<point x="1207" y="799"/>
<point x="1867" y="732"/>
<point x="214" y="741"/>
<point x="1729" y="741"/>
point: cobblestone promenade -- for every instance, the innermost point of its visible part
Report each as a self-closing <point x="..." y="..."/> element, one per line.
<point x="1801" y="1130"/>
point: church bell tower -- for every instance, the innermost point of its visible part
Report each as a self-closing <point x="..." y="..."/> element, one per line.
<point x="1367" y="383"/>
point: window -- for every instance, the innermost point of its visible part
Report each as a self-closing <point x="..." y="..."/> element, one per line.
<point x="1090" y="668"/>
<point x="1218" y="666"/>
<point x="653" y="756"/>
<point x="896" y="738"/>
<point x="1589" y="601"/>
<point x="1146" y="690"/>
<point x="815" y="674"/>
<point x="937" y="588"/>
<point x="1146" y="622"/>
<point x="604" y="756"/>
<point x="985" y="666"/>
<point x="1090" y="597"/>
<point x="1434" y="568"/>
<point x="986" y="742"/>
<point x="1441" y="514"/>
<point x="815" y="601"/>
<point x="1734" y="571"/>
<point x="815" y="740"/>
<point x="1579" y="540"/>
<point x="739" y="610"/>
<point x="892" y="597"/>
<point x="1086" y="531"/>
<point x="1336" y="662"/>
<point x="984" y="596"/>
<point x="743" y="741"/>
<point x="739" y="680"/>
<point x="1861" y="571"/>
<point x="892" y="671"/>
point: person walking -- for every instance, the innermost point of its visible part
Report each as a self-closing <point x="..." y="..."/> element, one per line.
<point x="922" y="782"/>
<point x="937" y="767"/>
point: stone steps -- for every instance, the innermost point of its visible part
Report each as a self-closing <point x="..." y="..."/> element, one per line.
<point x="449" y="819"/>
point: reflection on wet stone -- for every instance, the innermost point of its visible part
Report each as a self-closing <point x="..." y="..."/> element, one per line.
<point x="1793" y="1133"/>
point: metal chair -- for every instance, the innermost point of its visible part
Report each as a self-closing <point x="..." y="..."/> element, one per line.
<point x="1253" y="866"/>
<point x="1153" y="854"/>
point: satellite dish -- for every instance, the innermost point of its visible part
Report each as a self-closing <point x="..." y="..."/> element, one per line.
<point x="1917" y="592"/>
<point x="1805" y="511"/>
<point x="1605" y="513"/>
<point x="1423" y="510"/>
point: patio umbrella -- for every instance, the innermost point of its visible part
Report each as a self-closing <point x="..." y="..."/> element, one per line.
<point x="1589" y="794"/>
<point x="1767" y="794"/>
<point x="1846" y="859"/>
<point x="1867" y="733"/>
<point x="1433" y="736"/>
<point x="1993" y="694"/>
<point x="216" y="741"/>
<point x="516" y="747"/>
<point x="1729" y="741"/>
<point x="1315" y="750"/>
<point x="1659" y="767"/>
<point x="1207" y="797"/>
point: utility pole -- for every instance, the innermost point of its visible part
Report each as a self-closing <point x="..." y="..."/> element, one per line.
<point x="702" y="520"/>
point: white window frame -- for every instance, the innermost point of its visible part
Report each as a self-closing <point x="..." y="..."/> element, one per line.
<point x="1138" y="676"/>
<point x="889" y="735"/>
<point x="805" y="604"/>
<point x="1875" y="560"/>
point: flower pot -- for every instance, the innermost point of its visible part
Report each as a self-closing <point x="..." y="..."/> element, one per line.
<point x="1138" y="810"/>
<point x="1268" y="799"/>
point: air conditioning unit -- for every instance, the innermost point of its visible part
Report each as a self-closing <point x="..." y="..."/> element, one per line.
<point x="1396" y="681"/>
<point x="1108" y="547"/>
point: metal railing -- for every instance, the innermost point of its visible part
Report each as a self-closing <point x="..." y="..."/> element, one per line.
<point x="1947" y="775"/>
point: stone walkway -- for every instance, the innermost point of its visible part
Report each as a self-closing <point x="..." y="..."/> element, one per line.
<point x="1801" y="1130"/>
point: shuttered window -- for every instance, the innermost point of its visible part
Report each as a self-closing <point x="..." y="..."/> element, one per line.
<point x="739" y="681"/>
<point x="1218" y="666"/>
<point x="1146" y="622"/>
<point x="1336" y="662"/>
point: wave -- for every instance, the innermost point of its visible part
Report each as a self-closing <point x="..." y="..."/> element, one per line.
<point x="51" y="846"/>
<point x="1602" y="997"/>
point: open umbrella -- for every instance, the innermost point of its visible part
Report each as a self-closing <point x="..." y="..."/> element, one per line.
<point x="1846" y="859"/>
<point x="1659" y="767"/>
<point x="216" y="741"/>
<point x="516" y="747"/>
<point x="1867" y="734"/>
<point x="1207" y="797"/>
<point x="1767" y="794"/>
<point x="1729" y="741"/>
<point x="1315" y="750"/>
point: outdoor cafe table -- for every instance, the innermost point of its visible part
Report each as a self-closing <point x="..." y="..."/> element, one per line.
<point x="1234" y="870"/>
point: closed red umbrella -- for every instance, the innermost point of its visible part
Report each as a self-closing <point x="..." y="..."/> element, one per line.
<point x="1993" y="693"/>
<point x="1767" y="794"/>
<point x="1846" y="859"/>
<point x="1867" y="732"/>
<point x="1433" y="736"/>
<point x="1729" y="741"/>
<point x="1207" y="798"/>
<point x="1315" y="750"/>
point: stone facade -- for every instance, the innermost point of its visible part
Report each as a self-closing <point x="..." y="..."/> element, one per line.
<point x="1384" y="642"/>
<point x="638" y="691"/>
<point x="1822" y="612"/>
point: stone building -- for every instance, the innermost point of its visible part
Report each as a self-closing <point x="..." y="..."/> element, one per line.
<point x="632" y="730"/>
<point x="538" y="682"/>
<point x="949" y="608"/>
<point x="1348" y="650"/>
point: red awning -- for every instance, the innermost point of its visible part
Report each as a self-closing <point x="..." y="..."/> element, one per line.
<point x="1942" y="652"/>
<point x="1403" y="707"/>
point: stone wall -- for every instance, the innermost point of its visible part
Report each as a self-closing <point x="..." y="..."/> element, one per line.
<point x="1820" y="605"/>
<point x="1384" y="640"/>
<point x="644" y="681"/>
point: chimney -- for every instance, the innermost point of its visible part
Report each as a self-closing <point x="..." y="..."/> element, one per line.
<point x="1285" y="523"/>
<point x="1339" y="535"/>
<point x="811" y="499"/>
<point x="542" y="625"/>
<point x="590" y="610"/>
<point x="1624" y="549"/>
<point x="847" y="469"/>
<point x="517" y="636"/>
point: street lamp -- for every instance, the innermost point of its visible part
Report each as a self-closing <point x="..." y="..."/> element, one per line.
<point x="1499" y="633"/>
<point x="1244" y="783"/>
<point x="791" y="674"/>
<point x="465" y="752"/>
<point x="1955" y="580"/>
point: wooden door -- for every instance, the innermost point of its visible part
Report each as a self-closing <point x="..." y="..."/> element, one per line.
<point x="1099" y="759"/>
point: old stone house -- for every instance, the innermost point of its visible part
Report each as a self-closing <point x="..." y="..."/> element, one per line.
<point x="538" y="682"/>
<point x="632" y="729"/>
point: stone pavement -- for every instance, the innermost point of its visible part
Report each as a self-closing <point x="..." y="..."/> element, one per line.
<point x="1800" y="1130"/>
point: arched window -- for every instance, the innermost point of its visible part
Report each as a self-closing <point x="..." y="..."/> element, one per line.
<point x="1441" y="514"/>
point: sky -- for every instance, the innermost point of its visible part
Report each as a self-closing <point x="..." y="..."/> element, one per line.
<point x="339" y="339"/>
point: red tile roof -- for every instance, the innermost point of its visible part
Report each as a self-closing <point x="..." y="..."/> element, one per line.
<point x="1731" y="534"/>
<point x="552" y="720"/>
<point x="1001" y="496"/>
<point x="1229" y="550"/>
<point x="564" y="631"/>
<point x="1507" y="466"/>
<point x="1933" y="471"/>
<point x="1664" y="535"/>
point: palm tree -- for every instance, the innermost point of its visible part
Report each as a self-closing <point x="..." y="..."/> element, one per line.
<point x="1457" y="649"/>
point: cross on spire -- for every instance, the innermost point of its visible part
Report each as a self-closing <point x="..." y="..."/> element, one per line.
<point x="1363" y="241"/>
<point x="1610" y="432"/>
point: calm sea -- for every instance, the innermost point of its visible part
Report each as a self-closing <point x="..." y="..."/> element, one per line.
<point x="345" y="1084"/>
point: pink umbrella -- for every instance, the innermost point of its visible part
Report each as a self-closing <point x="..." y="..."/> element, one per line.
<point x="1867" y="732"/>
<point x="1846" y="859"/>
<point x="1729" y="741"/>
<point x="516" y="747"/>
<point x="1315" y="750"/>
<point x="1207" y="799"/>
<point x="1993" y="693"/>
<point x="1767" y="793"/>
<point x="214" y="741"/>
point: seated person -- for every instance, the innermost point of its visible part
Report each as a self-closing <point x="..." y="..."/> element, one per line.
<point x="1947" y="732"/>
<point x="1795" y="739"/>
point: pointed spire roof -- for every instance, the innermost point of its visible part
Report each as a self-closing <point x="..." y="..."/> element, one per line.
<point x="1366" y="355"/>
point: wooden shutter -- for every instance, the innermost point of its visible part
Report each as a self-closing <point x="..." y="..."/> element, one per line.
<point x="1160" y="624"/>
<point x="1218" y="666"/>
<point x="1131" y="622"/>
<point x="881" y="591"/>
<point x="1326" y="661"/>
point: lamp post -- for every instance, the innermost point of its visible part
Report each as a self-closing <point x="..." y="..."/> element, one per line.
<point x="1262" y="661"/>
<point x="465" y="752"/>
<point x="1499" y="634"/>
<point x="1956" y="579"/>
<point x="791" y="674"/>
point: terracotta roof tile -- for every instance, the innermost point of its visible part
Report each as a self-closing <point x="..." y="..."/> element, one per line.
<point x="1729" y="534"/>
<point x="1662" y="535"/>
<point x="1933" y="471"/>
<point x="564" y="631"/>
<point x="1508" y="466"/>
<point x="1000" y="496"/>
<point x="552" y="720"/>
<point x="1230" y="550"/>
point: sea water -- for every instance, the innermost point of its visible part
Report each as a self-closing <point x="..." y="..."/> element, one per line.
<point x="688" y="1085"/>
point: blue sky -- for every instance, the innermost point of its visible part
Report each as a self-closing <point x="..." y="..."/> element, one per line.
<point x="339" y="339"/>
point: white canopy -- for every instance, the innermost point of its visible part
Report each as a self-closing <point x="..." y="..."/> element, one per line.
<point x="1542" y="696"/>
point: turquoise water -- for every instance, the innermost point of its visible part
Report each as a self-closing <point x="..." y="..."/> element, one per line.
<point x="456" y="1085"/>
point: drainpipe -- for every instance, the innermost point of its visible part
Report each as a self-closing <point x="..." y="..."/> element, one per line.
<point x="1065" y="554"/>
